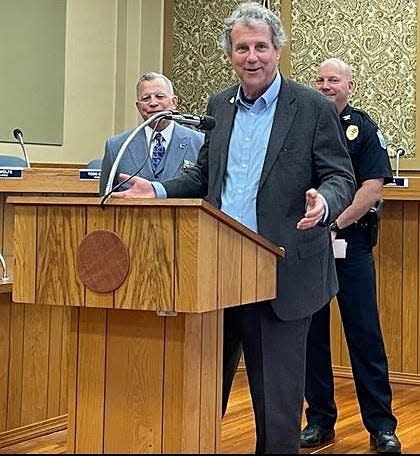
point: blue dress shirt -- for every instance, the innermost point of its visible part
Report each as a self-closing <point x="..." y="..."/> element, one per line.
<point x="247" y="149"/>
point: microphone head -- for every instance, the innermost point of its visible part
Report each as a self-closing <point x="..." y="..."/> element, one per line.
<point x="17" y="134"/>
<point x="208" y="123"/>
<point x="400" y="152"/>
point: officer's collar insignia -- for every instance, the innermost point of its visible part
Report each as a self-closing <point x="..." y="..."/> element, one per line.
<point x="352" y="132"/>
<point x="346" y="117"/>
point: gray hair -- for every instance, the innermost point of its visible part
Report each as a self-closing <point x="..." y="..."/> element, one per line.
<point x="151" y="76"/>
<point x="252" y="14"/>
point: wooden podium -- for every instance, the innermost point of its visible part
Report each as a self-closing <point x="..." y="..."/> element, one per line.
<point x="145" y="350"/>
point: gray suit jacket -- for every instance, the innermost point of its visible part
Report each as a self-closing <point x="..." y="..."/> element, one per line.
<point x="181" y="153"/>
<point x="306" y="149"/>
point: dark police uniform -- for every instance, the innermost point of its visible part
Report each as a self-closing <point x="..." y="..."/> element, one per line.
<point x="357" y="302"/>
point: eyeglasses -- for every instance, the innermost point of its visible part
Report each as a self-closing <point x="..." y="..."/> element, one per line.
<point x="147" y="98"/>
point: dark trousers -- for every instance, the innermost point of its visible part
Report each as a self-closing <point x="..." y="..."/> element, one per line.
<point x="274" y="355"/>
<point x="359" y="313"/>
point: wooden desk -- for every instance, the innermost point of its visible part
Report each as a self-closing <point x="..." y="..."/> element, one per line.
<point x="398" y="285"/>
<point x="410" y="193"/>
<point x="33" y="355"/>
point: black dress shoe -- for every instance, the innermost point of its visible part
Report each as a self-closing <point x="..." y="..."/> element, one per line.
<point x="385" y="442"/>
<point x="314" y="435"/>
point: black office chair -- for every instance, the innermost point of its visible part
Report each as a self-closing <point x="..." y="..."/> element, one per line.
<point x="12" y="161"/>
<point x="94" y="164"/>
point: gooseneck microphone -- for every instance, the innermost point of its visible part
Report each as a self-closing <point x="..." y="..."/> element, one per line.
<point x="398" y="153"/>
<point x="111" y="177"/>
<point x="5" y="277"/>
<point x="19" y="138"/>
<point x="202" y="122"/>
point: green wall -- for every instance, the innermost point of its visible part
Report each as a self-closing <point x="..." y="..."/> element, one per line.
<point x="105" y="51"/>
<point x="32" y="69"/>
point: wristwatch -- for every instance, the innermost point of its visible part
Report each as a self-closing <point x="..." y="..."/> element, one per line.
<point x="334" y="227"/>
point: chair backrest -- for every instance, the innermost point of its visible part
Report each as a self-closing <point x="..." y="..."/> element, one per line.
<point x="11" y="160"/>
<point x="94" y="164"/>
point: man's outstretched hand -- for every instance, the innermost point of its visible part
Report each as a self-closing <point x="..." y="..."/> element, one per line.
<point x="315" y="210"/>
<point x="139" y="188"/>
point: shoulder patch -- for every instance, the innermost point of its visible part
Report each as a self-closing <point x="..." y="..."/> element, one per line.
<point x="381" y="138"/>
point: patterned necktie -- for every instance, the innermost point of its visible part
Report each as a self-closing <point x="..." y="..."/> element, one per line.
<point x="158" y="152"/>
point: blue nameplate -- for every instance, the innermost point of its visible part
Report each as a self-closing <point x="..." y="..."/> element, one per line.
<point x="90" y="174"/>
<point x="11" y="173"/>
<point x="398" y="182"/>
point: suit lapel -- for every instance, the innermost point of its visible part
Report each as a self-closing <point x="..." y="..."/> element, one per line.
<point x="227" y="113"/>
<point x="138" y="154"/>
<point x="137" y="149"/>
<point x="283" y="118"/>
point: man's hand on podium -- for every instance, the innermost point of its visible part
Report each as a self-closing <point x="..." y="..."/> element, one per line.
<point x="139" y="188"/>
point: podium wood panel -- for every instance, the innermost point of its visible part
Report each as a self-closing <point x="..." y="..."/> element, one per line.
<point x="166" y="274"/>
<point x="150" y="239"/>
<point x="144" y="383"/>
<point x="90" y="381"/>
<point x="199" y="260"/>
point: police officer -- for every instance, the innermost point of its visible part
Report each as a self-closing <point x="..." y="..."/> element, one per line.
<point x="357" y="286"/>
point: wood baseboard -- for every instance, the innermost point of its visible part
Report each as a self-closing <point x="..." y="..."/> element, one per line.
<point x="59" y="423"/>
<point x="31" y="431"/>
<point x="345" y="372"/>
<point x="394" y="377"/>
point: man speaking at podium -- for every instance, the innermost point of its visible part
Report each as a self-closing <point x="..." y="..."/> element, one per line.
<point x="277" y="162"/>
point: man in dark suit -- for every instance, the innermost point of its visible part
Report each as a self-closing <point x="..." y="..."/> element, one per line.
<point x="277" y="162"/>
<point x="179" y="144"/>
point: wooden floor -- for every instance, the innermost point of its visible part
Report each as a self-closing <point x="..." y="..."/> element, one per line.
<point x="238" y="424"/>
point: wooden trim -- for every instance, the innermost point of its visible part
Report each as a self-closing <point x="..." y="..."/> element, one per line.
<point x="412" y="192"/>
<point x="32" y="431"/>
<point x="394" y="377"/>
<point x="345" y="372"/>
<point x="286" y="18"/>
<point x="415" y="163"/>
<point x="50" y="180"/>
<point x="6" y="287"/>
<point x="168" y="37"/>
<point x="58" y="165"/>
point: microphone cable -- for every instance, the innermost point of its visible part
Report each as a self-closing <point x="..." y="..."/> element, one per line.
<point x="120" y="184"/>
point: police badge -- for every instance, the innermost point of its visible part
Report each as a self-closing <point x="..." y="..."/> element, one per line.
<point x="352" y="132"/>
